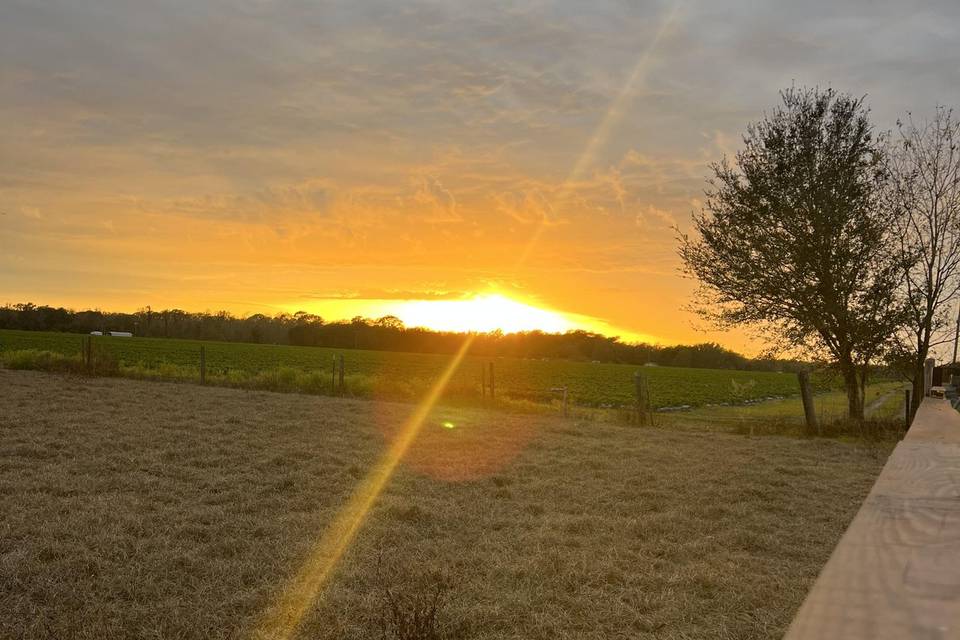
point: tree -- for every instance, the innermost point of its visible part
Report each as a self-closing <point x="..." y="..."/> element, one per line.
<point x="389" y="322"/>
<point x="792" y="240"/>
<point x="924" y="197"/>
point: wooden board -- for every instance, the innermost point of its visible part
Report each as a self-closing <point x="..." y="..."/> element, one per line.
<point x="896" y="571"/>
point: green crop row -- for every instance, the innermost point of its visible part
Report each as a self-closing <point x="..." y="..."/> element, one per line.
<point x="406" y="375"/>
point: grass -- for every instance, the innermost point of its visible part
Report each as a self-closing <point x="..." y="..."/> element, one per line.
<point x="135" y="509"/>
<point x="407" y="376"/>
<point x="884" y="403"/>
<point x="889" y="405"/>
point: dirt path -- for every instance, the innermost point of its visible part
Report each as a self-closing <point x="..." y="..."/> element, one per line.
<point x="874" y="405"/>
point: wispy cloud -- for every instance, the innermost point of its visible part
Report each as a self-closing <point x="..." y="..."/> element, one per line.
<point x="280" y="149"/>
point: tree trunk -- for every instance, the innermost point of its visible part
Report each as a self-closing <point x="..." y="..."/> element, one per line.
<point x="863" y="389"/>
<point x="851" y="382"/>
<point x="916" y="395"/>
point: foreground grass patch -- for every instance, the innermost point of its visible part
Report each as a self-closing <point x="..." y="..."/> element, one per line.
<point x="130" y="509"/>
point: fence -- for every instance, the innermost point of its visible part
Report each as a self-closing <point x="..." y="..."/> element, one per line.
<point x="896" y="571"/>
<point x="407" y="376"/>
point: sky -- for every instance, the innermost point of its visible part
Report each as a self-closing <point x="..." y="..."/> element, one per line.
<point x="366" y="158"/>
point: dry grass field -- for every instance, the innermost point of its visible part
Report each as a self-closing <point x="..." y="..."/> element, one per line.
<point x="153" y="510"/>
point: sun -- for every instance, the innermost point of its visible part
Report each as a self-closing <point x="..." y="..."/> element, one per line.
<point x="481" y="313"/>
<point x="478" y="313"/>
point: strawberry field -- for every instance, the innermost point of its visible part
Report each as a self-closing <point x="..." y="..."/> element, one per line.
<point x="406" y="376"/>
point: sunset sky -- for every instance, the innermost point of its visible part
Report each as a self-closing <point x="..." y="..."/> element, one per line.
<point x="371" y="157"/>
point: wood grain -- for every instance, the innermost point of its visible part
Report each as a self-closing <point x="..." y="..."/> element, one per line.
<point x="896" y="571"/>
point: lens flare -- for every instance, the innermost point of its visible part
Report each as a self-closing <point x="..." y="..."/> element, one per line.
<point x="601" y="134"/>
<point x="284" y="618"/>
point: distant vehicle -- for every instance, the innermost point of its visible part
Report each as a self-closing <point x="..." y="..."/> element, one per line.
<point x="96" y="333"/>
<point x="115" y="334"/>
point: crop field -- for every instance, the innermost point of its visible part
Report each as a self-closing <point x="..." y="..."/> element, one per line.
<point x="406" y="376"/>
<point x="131" y="509"/>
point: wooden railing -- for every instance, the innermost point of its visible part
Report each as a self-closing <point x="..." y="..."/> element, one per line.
<point x="896" y="571"/>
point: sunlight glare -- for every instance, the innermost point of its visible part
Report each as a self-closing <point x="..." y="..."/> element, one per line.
<point x="482" y="313"/>
<point x="282" y="621"/>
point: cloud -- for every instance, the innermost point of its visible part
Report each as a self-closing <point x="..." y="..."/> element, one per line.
<point x="390" y="141"/>
<point x="388" y="294"/>
<point x="438" y="202"/>
<point x="299" y="202"/>
<point x="655" y="216"/>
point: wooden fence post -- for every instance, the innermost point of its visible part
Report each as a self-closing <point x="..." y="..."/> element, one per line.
<point x="807" y="398"/>
<point x="906" y="411"/>
<point x="203" y="365"/>
<point x="643" y="398"/>
<point x="333" y="377"/>
<point x="89" y="352"/>
<point x="562" y="390"/>
<point x="341" y="374"/>
<point x="491" y="382"/>
<point x="483" y="381"/>
<point x="646" y="392"/>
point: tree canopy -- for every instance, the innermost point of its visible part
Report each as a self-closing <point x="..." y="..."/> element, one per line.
<point x="792" y="239"/>
<point x="923" y="194"/>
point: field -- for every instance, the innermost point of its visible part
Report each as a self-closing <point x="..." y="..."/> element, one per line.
<point x="884" y="411"/>
<point x="151" y="510"/>
<point x="407" y="376"/>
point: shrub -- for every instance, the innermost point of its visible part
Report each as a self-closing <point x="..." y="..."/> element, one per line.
<point x="41" y="360"/>
<point x="414" y="608"/>
<point x="102" y="364"/>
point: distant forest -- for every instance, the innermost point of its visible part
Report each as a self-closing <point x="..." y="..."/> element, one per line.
<point x="384" y="334"/>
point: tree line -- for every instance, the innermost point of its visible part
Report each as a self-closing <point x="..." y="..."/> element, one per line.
<point x="836" y="241"/>
<point x="384" y="334"/>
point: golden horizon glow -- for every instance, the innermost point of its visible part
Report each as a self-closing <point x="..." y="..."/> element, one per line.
<point x="480" y="313"/>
